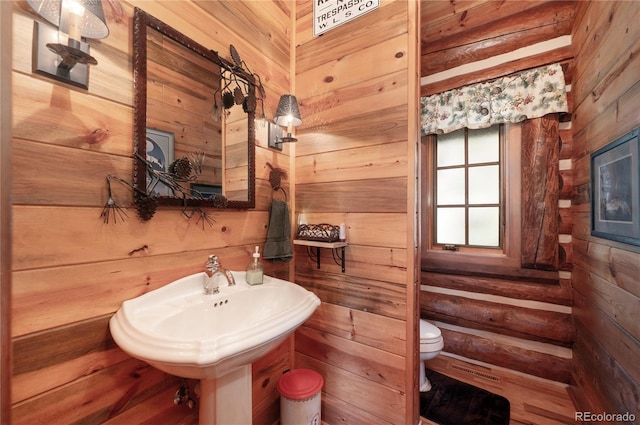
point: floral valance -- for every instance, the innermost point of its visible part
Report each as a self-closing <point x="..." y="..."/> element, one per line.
<point x="514" y="98"/>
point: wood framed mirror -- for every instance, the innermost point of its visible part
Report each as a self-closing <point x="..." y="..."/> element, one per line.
<point x="180" y="113"/>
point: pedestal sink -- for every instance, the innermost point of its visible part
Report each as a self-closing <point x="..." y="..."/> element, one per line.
<point x="214" y="338"/>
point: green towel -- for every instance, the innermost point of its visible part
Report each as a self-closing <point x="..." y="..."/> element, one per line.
<point x="278" y="245"/>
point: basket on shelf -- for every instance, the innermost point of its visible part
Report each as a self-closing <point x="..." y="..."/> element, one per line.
<point x="318" y="232"/>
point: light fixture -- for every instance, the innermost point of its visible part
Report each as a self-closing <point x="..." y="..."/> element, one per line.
<point x="287" y="115"/>
<point x="61" y="53"/>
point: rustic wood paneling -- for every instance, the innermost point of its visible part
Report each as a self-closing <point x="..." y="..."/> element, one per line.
<point x="96" y="397"/>
<point x="377" y="127"/>
<point x="360" y="392"/>
<point x="606" y="87"/>
<point x="609" y="299"/>
<point x="71" y="176"/>
<point x="53" y="113"/>
<point x="364" y="327"/>
<point x="375" y="296"/>
<point x="6" y="25"/>
<point x="71" y="270"/>
<point x="380" y="195"/>
<point x="380" y="366"/>
<point x="371" y="162"/>
<point x="266" y="374"/>
<point x="324" y="110"/>
<point x="604" y="329"/>
<point x="353" y="165"/>
<point x="156" y="411"/>
<point x="92" y="240"/>
<point x="87" y="337"/>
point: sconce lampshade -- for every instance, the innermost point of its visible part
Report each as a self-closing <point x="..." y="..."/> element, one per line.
<point x="287" y="113"/>
<point x="93" y="23"/>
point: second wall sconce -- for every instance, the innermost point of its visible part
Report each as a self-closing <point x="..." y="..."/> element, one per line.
<point x="287" y="115"/>
<point x="60" y="53"/>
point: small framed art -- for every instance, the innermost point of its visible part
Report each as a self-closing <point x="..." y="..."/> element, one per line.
<point x="160" y="155"/>
<point x="615" y="190"/>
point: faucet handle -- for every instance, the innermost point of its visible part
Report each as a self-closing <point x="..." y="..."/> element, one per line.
<point x="211" y="265"/>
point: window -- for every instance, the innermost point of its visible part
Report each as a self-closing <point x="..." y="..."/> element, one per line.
<point x="468" y="190"/>
<point x="471" y="200"/>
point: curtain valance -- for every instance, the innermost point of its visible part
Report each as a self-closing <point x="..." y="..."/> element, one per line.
<point x="513" y="98"/>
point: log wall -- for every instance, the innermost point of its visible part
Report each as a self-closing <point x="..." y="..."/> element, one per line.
<point x="71" y="271"/>
<point x="354" y="164"/>
<point x="515" y="320"/>
<point x="606" y="288"/>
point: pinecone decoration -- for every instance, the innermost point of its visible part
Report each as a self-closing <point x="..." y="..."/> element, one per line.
<point x="146" y="207"/>
<point x="219" y="201"/>
<point x="181" y="168"/>
<point x="276" y="175"/>
<point x="238" y="96"/>
<point x="249" y="104"/>
<point x="228" y="100"/>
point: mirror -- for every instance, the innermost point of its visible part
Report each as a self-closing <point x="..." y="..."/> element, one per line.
<point x="194" y="140"/>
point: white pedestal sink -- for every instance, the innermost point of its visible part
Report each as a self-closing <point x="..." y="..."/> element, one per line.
<point x="214" y="338"/>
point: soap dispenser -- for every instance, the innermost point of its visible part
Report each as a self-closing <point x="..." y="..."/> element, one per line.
<point x="255" y="270"/>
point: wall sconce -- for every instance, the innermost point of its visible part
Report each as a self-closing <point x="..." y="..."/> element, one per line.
<point x="287" y="115"/>
<point x="61" y="53"/>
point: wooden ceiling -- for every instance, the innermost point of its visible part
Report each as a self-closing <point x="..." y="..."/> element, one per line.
<point x="454" y="33"/>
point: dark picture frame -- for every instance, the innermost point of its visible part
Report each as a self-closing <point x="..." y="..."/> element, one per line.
<point x="615" y="190"/>
<point x="160" y="155"/>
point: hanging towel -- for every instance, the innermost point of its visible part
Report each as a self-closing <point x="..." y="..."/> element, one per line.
<point x="278" y="245"/>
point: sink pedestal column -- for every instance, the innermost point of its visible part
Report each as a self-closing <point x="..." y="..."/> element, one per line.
<point x="227" y="399"/>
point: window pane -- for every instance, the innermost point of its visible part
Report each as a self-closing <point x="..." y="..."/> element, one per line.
<point x="484" y="226"/>
<point x="450" y="149"/>
<point x="450" y="228"/>
<point x="484" y="185"/>
<point x="450" y="186"/>
<point x="484" y="145"/>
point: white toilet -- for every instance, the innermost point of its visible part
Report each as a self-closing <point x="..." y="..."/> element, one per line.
<point x="431" y="344"/>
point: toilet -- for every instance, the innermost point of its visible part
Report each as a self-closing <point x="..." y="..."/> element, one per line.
<point x="431" y="344"/>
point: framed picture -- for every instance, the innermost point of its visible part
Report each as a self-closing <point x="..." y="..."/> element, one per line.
<point x="615" y="190"/>
<point x="160" y="154"/>
<point x="205" y="191"/>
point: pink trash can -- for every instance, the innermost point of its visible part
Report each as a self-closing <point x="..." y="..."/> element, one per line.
<point x="300" y="397"/>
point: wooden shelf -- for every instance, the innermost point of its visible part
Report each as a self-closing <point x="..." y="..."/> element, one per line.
<point x="337" y="250"/>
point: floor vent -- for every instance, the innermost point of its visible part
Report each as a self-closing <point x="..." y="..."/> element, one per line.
<point x="476" y="373"/>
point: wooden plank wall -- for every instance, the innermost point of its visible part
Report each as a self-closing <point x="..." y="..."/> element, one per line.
<point x="354" y="165"/>
<point x="606" y="288"/>
<point x="5" y="213"/>
<point x="70" y="270"/>
<point x="520" y="325"/>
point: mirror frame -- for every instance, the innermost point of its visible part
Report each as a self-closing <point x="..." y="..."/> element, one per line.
<point x="141" y="21"/>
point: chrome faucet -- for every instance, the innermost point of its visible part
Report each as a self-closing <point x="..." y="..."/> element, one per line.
<point x="213" y="270"/>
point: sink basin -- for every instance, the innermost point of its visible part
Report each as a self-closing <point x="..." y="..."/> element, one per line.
<point x="180" y="330"/>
